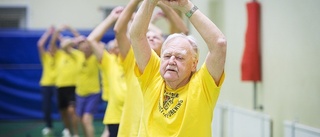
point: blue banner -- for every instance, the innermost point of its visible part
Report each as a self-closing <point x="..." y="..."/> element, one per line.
<point x="20" y="72"/>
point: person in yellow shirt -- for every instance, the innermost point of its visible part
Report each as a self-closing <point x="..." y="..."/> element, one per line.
<point x="88" y="95"/>
<point x="48" y="60"/>
<point x="66" y="72"/>
<point x="114" y="86"/>
<point x="131" y="117"/>
<point x="178" y="99"/>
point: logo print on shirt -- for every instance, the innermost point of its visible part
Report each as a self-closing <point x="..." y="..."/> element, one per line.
<point x="168" y="102"/>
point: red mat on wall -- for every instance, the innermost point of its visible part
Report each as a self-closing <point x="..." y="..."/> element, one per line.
<point x="251" y="60"/>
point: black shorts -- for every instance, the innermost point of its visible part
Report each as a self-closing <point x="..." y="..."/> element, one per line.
<point x="66" y="97"/>
<point x="113" y="130"/>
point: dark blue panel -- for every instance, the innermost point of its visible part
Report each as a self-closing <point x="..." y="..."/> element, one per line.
<point x="20" y="72"/>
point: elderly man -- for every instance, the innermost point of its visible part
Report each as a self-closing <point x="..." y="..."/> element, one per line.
<point x="179" y="99"/>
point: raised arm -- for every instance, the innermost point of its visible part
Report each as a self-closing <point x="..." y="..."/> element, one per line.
<point x="121" y="27"/>
<point x="176" y="23"/>
<point x="138" y="30"/>
<point x="42" y="41"/>
<point x="96" y="35"/>
<point x="55" y="37"/>
<point x="53" y="41"/>
<point x="65" y="42"/>
<point x="211" y="34"/>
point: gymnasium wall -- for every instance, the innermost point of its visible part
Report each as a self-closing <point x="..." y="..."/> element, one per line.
<point x="290" y="49"/>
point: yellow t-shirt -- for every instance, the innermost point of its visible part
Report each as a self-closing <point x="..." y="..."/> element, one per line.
<point x="185" y="112"/>
<point x="88" y="77"/>
<point x="68" y="67"/>
<point x="114" y="80"/>
<point x="48" y="63"/>
<point x="132" y="110"/>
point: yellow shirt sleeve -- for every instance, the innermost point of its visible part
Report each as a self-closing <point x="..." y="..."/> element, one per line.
<point x="151" y="70"/>
<point x="103" y="65"/>
<point x="131" y="116"/>
<point x="129" y="62"/>
<point x="116" y="88"/>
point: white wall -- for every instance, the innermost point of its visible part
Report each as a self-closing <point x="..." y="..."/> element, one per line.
<point x="290" y="49"/>
<point x="81" y="14"/>
<point x="291" y="56"/>
<point x="290" y="34"/>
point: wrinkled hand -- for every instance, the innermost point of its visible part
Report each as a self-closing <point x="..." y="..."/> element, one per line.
<point x="79" y="39"/>
<point x="176" y="4"/>
<point x="115" y="13"/>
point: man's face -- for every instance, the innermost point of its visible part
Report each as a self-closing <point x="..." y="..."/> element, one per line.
<point x="177" y="60"/>
<point x="155" y="41"/>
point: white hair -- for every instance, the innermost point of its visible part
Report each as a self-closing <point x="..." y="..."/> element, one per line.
<point x="110" y="45"/>
<point x="189" y="38"/>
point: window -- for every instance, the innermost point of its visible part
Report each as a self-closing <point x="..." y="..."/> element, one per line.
<point x="13" y="17"/>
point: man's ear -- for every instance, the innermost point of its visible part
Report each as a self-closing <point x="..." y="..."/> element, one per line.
<point x="194" y="65"/>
